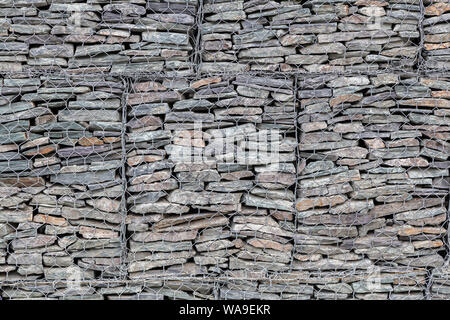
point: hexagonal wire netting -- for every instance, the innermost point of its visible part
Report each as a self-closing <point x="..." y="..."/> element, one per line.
<point x="217" y="149"/>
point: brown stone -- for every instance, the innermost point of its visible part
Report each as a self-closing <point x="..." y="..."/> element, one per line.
<point x="375" y="143"/>
<point x="345" y="98"/>
<point x="441" y="94"/>
<point x="437" y="9"/>
<point x="23" y="182"/>
<point x="90" y="141"/>
<point x="282" y="215"/>
<point x="427" y="244"/>
<point x="436" y="46"/>
<point x="408" y="231"/>
<point x="308" y="203"/>
<point x="313" y="126"/>
<point x="8" y="147"/>
<point x="35" y="143"/>
<point x="436" y="221"/>
<point x="57" y="221"/>
<point x="111" y="139"/>
<point x="204" y="82"/>
<point x="40" y="151"/>
<point x="152" y="177"/>
<point x="436" y="145"/>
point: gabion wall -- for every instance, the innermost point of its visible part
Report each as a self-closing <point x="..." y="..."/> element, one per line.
<point x="319" y="131"/>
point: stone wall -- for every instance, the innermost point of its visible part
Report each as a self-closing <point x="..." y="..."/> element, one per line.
<point x="215" y="149"/>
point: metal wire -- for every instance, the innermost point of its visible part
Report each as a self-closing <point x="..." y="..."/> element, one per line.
<point x="224" y="149"/>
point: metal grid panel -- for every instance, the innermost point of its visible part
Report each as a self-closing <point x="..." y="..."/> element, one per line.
<point x="224" y="149"/>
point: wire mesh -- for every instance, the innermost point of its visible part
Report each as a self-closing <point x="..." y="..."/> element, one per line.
<point x="436" y="35"/>
<point x="309" y="36"/>
<point x="200" y="149"/>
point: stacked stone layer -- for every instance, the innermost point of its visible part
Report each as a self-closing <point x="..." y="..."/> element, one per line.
<point x="60" y="180"/>
<point x="436" y="35"/>
<point x="373" y="175"/>
<point x="224" y="149"/>
<point x="309" y="36"/>
<point x="223" y="204"/>
<point x="98" y="36"/>
<point x="440" y="283"/>
<point x="394" y="284"/>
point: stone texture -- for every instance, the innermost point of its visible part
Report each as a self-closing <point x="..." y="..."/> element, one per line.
<point x="366" y="182"/>
<point x="337" y="192"/>
<point x="436" y="36"/>
<point x="219" y="171"/>
<point x="328" y="37"/>
<point x="98" y="37"/>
